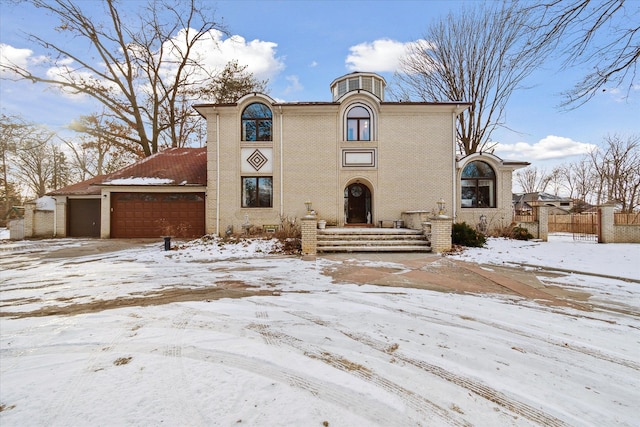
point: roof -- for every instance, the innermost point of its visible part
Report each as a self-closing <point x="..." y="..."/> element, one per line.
<point x="175" y="166"/>
<point x="539" y="196"/>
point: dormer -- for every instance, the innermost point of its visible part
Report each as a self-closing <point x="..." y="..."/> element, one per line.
<point x="358" y="81"/>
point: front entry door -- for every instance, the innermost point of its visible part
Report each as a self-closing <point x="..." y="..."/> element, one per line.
<point x="358" y="204"/>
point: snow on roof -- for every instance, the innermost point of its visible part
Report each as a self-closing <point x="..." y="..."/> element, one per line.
<point x="45" y="203"/>
<point x="188" y="166"/>
<point x="139" y="181"/>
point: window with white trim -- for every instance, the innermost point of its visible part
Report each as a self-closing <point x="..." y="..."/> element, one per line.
<point x="358" y="124"/>
<point x="256" y="123"/>
<point x="257" y="191"/>
<point x="478" y="186"/>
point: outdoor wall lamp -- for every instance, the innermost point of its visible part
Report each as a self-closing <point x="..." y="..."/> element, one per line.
<point x="308" y="205"/>
<point x="441" y="205"/>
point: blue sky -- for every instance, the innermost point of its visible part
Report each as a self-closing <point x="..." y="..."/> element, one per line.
<point x="301" y="46"/>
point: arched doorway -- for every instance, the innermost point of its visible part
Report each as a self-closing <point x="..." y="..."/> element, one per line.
<point x="357" y="204"/>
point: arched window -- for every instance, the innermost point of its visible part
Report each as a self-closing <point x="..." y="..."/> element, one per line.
<point x="256" y="123"/>
<point x="478" y="186"/>
<point x="358" y="124"/>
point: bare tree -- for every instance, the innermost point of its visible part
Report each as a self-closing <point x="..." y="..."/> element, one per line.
<point x="479" y="55"/>
<point x="35" y="159"/>
<point x="555" y="181"/>
<point x="232" y="83"/>
<point x="103" y="147"/>
<point x="604" y="35"/>
<point x="577" y="179"/>
<point x="532" y="179"/>
<point x="617" y="167"/>
<point x="137" y="71"/>
<point x="11" y="129"/>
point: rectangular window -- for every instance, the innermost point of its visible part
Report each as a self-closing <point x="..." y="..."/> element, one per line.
<point x="342" y="88"/>
<point x="364" y="129"/>
<point x="264" y="130"/>
<point x="469" y="196"/>
<point x="485" y="194"/>
<point x="358" y="130"/>
<point x="352" y="129"/>
<point x="257" y="192"/>
<point x="367" y="83"/>
<point x="248" y="130"/>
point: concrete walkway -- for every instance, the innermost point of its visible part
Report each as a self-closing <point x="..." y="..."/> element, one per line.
<point x="439" y="273"/>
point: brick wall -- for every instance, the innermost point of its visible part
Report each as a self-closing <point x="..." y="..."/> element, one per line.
<point x="413" y="152"/>
<point x="38" y="223"/>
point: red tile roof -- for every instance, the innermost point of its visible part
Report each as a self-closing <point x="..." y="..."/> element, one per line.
<point x="175" y="166"/>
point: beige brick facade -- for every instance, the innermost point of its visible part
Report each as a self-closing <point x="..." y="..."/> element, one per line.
<point x="408" y="163"/>
<point x="502" y="214"/>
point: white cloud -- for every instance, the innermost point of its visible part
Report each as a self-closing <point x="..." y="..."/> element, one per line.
<point x="259" y="56"/>
<point x="12" y="56"/>
<point x="294" y="84"/>
<point x="380" y="55"/>
<point x="550" y="147"/>
<point x="313" y="64"/>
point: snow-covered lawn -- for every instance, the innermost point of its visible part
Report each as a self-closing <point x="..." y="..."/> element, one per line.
<point x="232" y="335"/>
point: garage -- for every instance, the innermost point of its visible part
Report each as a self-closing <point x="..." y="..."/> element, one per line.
<point x="83" y="217"/>
<point x="151" y="215"/>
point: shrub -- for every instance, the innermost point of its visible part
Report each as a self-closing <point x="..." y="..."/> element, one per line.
<point x="465" y="235"/>
<point x="290" y="235"/>
<point x="521" y="233"/>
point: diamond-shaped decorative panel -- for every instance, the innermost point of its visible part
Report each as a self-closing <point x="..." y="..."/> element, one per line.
<point x="257" y="160"/>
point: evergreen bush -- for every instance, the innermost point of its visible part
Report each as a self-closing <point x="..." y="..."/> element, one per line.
<point x="465" y="235"/>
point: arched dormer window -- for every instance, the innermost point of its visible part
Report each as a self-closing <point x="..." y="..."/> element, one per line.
<point x="478" y="186"/>
<point x="358" y="124"/>
<point x="257" y="123"/>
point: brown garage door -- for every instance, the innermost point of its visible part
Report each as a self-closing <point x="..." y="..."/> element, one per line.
<point x="157" y="214"/>
<point x="83" y="217"/>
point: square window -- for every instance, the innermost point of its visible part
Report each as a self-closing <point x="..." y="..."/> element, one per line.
<point x="257" y="192"/>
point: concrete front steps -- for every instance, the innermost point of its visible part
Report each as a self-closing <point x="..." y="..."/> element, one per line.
<point x="372" y="240"/>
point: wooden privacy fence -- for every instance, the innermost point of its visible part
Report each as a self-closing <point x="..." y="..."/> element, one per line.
<point x="626" y="218"/>
<point x="584" y="223"/>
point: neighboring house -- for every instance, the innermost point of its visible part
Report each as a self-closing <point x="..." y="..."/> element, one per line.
<point x="358" y="159"/>
<point x="523" y="203"/>
<point x="163" y="194"/>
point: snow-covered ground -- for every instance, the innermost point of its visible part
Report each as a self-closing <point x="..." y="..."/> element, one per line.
<point x="213" y="335"/>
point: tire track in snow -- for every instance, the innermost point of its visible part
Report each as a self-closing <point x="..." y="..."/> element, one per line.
<point x="353" y="401"/>
<point x="529" y="335"/>
<point x="474" y="386"/>
<point x="592" y="352"/>
<point x="415" y="402"/>
<point x="173" y="350"/>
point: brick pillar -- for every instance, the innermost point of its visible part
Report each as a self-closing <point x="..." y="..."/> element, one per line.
<point x="606" y="233"/>
<point x="426" y="230"/>
<point x="309" y="228"/>
<point x="543" y="223"/>
<point x="29" y="216"/>
<point x="441" y="233"/>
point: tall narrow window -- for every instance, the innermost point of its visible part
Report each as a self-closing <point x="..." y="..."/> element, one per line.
<point x="257" y="192"/>
<point x="358" y="124"/>
<point x="478" y="186"/>
<point x="256" y="123"/>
